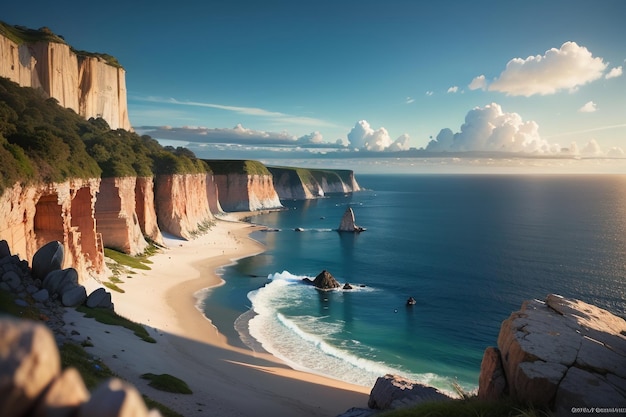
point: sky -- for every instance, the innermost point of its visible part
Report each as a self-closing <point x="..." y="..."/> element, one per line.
<point x="362" y="79"/>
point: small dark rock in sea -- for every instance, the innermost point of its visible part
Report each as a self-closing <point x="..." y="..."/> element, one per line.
<point x="347" y="286"/>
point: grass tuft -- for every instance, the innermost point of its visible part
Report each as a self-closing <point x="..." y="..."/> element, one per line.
<point x="106" y="316"/>
<point x="168" y="383"/>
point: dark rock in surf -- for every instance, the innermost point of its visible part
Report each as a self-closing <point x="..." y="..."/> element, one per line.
<point x="347" y="223"/>
<point x="325" y="281"/>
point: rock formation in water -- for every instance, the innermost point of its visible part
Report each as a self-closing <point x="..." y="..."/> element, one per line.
<point x="324" y="281"/>
<point x="86" y="83"/>
<point x="347" y="223"/>
<point x="561" y="353"/>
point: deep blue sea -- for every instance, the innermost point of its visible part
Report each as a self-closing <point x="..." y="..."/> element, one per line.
<point x="469" y="248"/>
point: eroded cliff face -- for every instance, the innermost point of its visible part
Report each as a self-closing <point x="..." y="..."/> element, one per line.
<point x="145" y="209"/>
<point x="213" y="195"/>
<point x="116" y="215"/>
<point x="243" y="192"/>
<point x="300" y="184"/>
<point x="38" y="214"/>
<point x="181" y="204"/>
<point x="87" y="85"/>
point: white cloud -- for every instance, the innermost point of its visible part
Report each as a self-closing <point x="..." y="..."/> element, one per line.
<point x="429" y="93"/>
<point x="478" y="83"/>
<point x="453" y="89"/>
<point x="615" y="152"/>
<point x="362" y="136"/>
<point x="490" y="129"/>
<point x="314" y="138"/>
<point x="589" y="107"/>
<point x="614" y="73"/>
<point x="592" y="148"/>
<point x="566" y="68"/>
<point x="409" y="100"/>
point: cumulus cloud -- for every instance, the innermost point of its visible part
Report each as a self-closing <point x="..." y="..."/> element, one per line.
<point x="592" y="148"/>
<point x="615" y="152"/>
<point x="614" y="73"/>
<point x="478" y="83"/>
<point x="453" y="89"/>
<point x="314" y="138"/>
<point x="490" y="129"/>
<point x="566" y="68"/>
<point x="589" y="107"/>
<point x="362" y="136"/>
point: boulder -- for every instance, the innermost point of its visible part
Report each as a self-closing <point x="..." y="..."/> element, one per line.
<point x="48" y="258"/>
<point x="63" y="397"/>
<point x="97" y="297"/>
<point x="392" y="391"/>
<point x="325" y="281"/>
<point x="558" y="351"/>
<point x="61" y="280"/>
<point x="4" y="249"/>
<point x="41" y="295"/>
<point x="74" y="297"/>
<point x="114" y="397"/>
<point x="29" y="361"/>
<point x="492" y="382"/>
<point x="12" y="279"/>
<point x="347" y="286"/>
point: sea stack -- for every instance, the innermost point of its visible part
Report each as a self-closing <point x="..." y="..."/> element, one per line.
<point x="347" y="223"/>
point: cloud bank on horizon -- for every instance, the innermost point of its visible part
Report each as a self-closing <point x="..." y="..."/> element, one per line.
<point x="486" y="129"/>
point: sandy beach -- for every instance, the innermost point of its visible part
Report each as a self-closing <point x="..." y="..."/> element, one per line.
<point x="225" y="380"/>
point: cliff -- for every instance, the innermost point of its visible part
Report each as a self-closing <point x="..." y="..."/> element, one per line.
<point x="304" y="183"/>
<point x="244" y="185"/>
<point x="182" y="204"/>
<point x="65" y="212"/>
<point x="560" y="353"/>
<point x="89" y="84"/>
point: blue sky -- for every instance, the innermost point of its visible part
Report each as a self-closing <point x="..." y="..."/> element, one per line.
<point x="295" y="78"/>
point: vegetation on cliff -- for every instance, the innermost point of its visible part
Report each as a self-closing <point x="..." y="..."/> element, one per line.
<point x="23" y="35"/>
<point x="225" y="167"/>
<point x="41" y="141"/>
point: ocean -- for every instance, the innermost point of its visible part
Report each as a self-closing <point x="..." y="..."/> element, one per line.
<point x="469" y="248"/>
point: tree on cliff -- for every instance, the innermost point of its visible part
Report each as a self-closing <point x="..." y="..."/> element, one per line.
<point x="41" y="141"/>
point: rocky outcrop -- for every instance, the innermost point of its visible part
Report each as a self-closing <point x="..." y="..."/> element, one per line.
<point x="304" y="183"/>
<point x="36" y="215"/>
<point x="347" y="223"/>
<point x="245" y="192"/>
<point x="324" y="281"/>
<point x="117" y="217"/>
<point x="32" y="383"/>
<point x="86" y="84"/>
<point x="213" y="195"/>
<point x="392" y="392"/>
<point x="561" y="353"/>
<point x="181" y="204"/>
<point x="145" y="209"/>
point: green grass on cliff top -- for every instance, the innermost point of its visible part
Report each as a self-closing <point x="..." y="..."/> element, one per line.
<point x="472" y="407"/>
<point x="236" y="166"/>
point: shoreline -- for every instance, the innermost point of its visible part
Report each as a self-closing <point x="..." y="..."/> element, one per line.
<point x="191" y="348"/>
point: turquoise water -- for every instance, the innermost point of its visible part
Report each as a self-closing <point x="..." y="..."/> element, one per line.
<point x="469" y="249"/>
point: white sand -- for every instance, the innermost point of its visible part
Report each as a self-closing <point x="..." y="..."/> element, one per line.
<point x="225" y="380"/>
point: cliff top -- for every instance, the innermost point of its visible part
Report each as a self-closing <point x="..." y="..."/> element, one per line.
<point x="23" y="35"/>
<point x="235" y="166"/>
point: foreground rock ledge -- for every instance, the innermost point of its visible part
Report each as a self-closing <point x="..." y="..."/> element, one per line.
<point x="560" y="353"/>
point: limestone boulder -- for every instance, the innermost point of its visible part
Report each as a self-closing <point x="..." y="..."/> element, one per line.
<point x="392" y="391"/>
<point x="48" y="258"/>
<point x="29" y="361"/>
<point x="61" y="280"/>
<point x="12" y="279"/>
<point x="41" y="295"/>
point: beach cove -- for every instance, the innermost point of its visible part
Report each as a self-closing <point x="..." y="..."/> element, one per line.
<point x="225" y="380"/>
